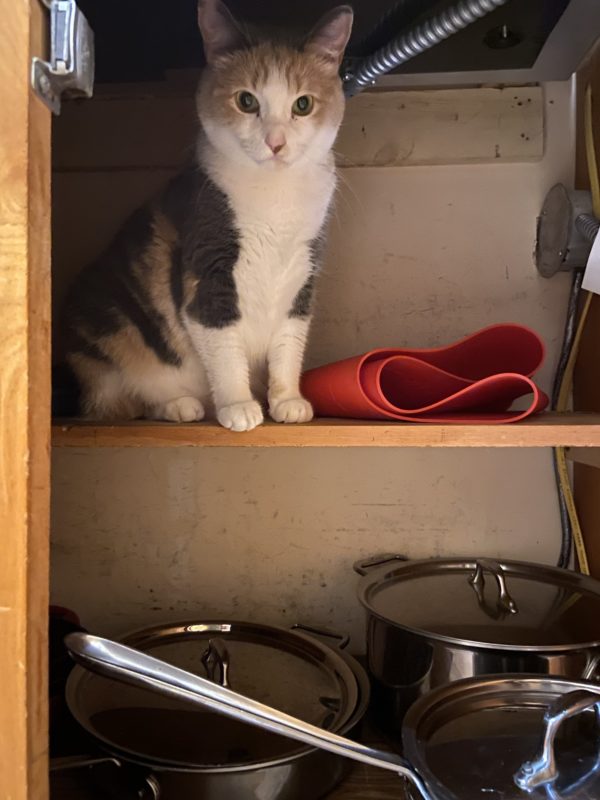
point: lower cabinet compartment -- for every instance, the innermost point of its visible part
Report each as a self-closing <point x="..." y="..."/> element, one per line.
<point x="363" y="783"/>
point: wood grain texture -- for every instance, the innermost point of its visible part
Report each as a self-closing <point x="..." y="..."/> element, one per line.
<point x="584" y="455"/>
<point x="156" y="128"/>
<point x="547" y="430"/>
<point x="368" y="783"/>
<point x="24" y="407"/>
<point x="587" y="372"/>
<point x="444" y="126"/>
<point x="588" y="73"/>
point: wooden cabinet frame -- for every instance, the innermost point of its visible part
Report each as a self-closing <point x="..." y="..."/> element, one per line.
<point x="24" y="406"/>
<point x="25" y="410"/>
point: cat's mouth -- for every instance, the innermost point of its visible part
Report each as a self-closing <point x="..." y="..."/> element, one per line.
<point x="269" y="160"/>
<point x="275" y="161"/>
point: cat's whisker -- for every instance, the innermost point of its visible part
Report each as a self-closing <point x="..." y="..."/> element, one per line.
<point x="343" y="160"/>
<point x="348" y="194"/>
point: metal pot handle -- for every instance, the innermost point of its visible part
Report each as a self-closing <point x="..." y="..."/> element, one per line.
<point x="592" y="668"/>
<point x="153" y="784"/>
<point x="216" y="662"/>
<point x="341" y="639"/>
<point x="363" y="567"/>
<point x="505" y="602"/>
<point x="123" y="663"/>
<point x="544" y="770"/>
<point x="77" y="762"/>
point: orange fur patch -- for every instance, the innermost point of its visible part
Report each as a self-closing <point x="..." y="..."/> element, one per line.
<point x="247" y="70"/>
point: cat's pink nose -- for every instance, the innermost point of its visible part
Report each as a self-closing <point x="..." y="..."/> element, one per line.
<point x="275" y="141"/>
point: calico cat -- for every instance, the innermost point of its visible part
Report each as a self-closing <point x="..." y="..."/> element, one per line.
<point x="203" y="300"/>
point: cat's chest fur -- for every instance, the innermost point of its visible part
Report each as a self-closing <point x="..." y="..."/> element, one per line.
<point x="278" y="215"/>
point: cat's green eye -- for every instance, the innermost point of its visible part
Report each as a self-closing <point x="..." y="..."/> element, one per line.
<point x="303" y="105"/>
<point x="247" y="102"/>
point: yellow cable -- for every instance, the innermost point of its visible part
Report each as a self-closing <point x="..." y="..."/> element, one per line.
<point x="567" y="380"/>
<point x="578" y="540"/>
<point x="590" y="151"/>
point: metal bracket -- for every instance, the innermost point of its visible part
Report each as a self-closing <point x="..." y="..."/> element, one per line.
<point x="70" y="70"/>
<point x="566" y="229"/>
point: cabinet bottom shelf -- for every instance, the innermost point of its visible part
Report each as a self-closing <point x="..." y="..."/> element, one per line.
<point x="363" y="783"/>
<point x="369" y="783"/>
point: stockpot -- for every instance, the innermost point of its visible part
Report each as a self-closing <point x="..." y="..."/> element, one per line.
<point x="435" y="621"/>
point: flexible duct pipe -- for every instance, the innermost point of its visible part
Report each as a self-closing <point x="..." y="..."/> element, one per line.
<point x="416" y="40"/>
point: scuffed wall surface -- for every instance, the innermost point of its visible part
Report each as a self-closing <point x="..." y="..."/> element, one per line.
<point x="143" y="536"/>
<point x="418" y="256"/>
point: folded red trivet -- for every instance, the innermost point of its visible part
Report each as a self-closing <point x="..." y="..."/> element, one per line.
<point x="476" y="379"/>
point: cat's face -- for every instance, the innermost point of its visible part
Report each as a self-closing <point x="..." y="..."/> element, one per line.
<point x="267" y="104"/>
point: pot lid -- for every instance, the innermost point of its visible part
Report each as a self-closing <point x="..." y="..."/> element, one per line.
<point x="289" y="670"/>
<point x="483" y="602"/>
<point x="507" y="738"/>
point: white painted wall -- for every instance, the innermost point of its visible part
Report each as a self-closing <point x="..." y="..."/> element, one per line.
<point x="419" y="255"/>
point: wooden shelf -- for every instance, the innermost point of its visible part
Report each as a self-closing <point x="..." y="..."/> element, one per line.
<point x="546" y="430"/>
<point x="369" y="783"/>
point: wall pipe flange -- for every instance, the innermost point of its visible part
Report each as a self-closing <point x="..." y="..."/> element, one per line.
<point x="566" y="229"/>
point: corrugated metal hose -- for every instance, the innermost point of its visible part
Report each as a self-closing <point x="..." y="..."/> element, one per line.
<point x="416" y="40"/>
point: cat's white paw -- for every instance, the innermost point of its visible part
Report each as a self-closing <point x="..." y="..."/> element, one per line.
<point x="183" y="409"/>
<point x="241" y="416"/>
<point x="294" y="409"/>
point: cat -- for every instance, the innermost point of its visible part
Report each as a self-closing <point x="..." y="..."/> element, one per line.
<point x="202" y="303"/>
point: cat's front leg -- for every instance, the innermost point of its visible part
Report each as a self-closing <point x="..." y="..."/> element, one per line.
<point x="286" y="354"/>
<point x="226" y="363"/>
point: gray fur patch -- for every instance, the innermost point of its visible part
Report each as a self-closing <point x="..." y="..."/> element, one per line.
<point x="209" y="249"/>
<point x="303" y="302"/>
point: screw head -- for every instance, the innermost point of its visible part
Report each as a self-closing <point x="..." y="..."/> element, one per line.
<point x="44" y="84"/>
<point x="502" y="38"/>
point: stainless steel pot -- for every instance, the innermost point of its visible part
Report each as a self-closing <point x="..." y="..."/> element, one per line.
<point x="436" y="621"/>
<point x="176" y="753"/>
<point x="500" y="737"/>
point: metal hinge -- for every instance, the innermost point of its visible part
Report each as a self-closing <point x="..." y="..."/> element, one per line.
<point x="70" y="70"/>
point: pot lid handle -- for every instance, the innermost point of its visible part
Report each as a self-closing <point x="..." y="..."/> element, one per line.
<point x="506" y="604"/>
<point x="216" y="662"/>
<point x="341" y="639"/>
<point x="544" y="770"/>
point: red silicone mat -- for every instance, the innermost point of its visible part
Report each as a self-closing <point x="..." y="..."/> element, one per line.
<point x="476" y="379"/>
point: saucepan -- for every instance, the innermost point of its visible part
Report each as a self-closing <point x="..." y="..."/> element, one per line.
<point x="508" y="737"/>
<point x="163" y="748"/>
<point x="434" y="621"/>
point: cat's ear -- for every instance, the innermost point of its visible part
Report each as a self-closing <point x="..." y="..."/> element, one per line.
<point x="329" y="37"/>
<point x="221" y="34"/>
